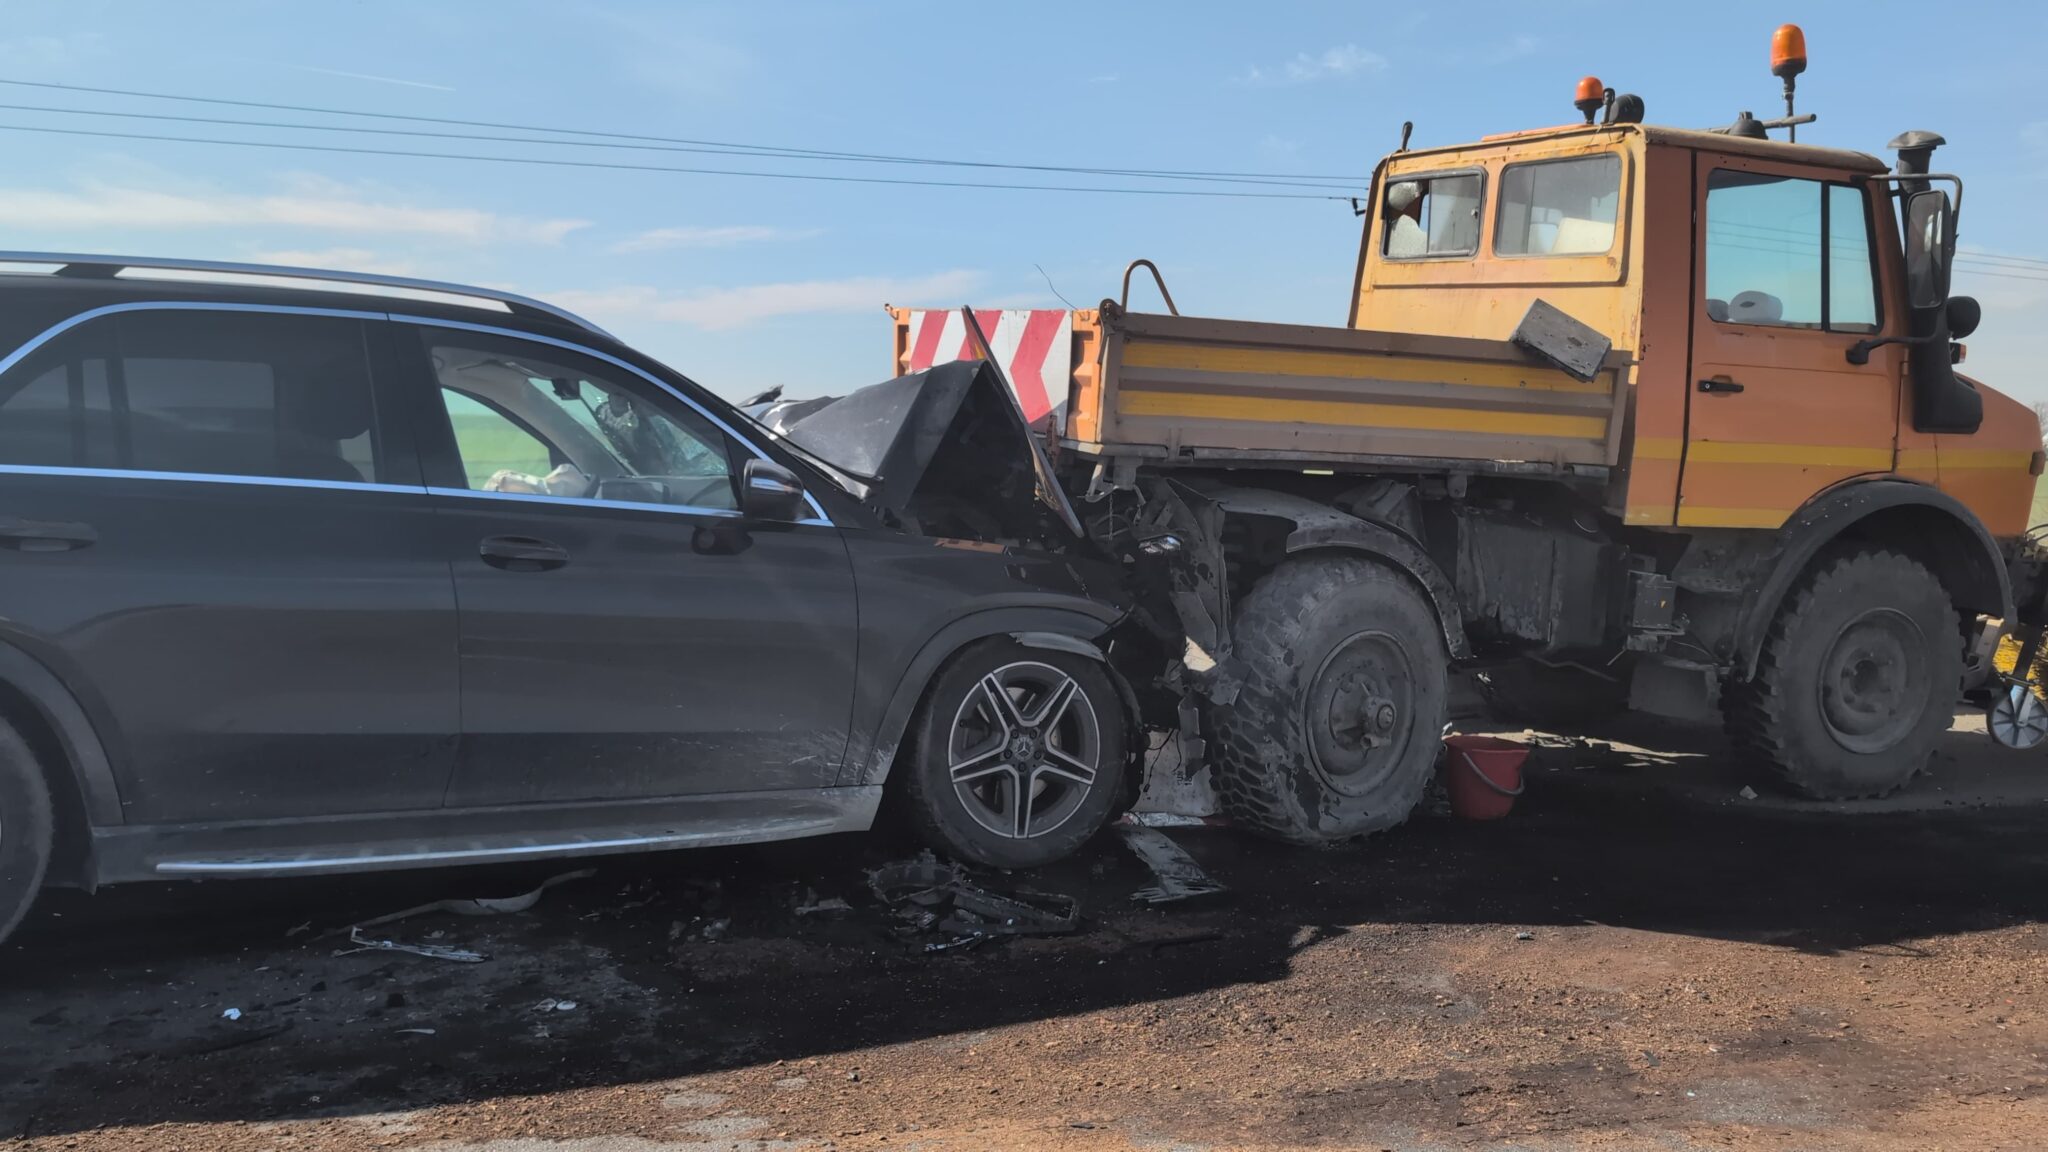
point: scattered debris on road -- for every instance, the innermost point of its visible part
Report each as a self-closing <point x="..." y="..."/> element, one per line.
<point x="430" y="951"/>
<point x="1180" y="878"/>
<point x="810" y="905"/>
<point x="474" y="906"/>
<point x="930" y="896"/>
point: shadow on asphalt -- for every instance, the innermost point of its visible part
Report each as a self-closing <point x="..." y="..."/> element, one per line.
<point x="110" y="1010"/>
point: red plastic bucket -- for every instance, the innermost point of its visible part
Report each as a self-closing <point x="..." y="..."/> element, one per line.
<point x="1484" y="775"/>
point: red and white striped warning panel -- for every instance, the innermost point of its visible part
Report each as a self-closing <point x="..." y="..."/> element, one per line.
<point x="1034" y="346"/>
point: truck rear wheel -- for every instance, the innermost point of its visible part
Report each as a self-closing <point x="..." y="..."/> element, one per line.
<point x="1856" y="681"/>
<point x="1336" y="729"/>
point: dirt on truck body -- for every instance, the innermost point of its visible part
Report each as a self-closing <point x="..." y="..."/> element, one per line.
<point x="1623" y="415"/>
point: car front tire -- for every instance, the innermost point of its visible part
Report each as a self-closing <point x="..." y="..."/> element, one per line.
<point x="1016" y="756"/>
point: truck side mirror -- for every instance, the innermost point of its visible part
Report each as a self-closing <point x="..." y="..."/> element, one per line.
<point x="1964" y="314"/>
<point x="1930" y="242"/>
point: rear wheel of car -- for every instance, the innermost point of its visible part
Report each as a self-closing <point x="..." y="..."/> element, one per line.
<point x="1016" y="756"/>
<point x="26" y="830"/>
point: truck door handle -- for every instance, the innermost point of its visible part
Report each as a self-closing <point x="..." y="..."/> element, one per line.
<point x="522" y="553"/>
<point x="1719" y="384"/>
<point x="45" y="535"/>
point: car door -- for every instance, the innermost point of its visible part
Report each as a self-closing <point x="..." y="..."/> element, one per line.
<point x="209" y="534"/>
<point x="625" y="633"/>
<point x="1786" y="285"/>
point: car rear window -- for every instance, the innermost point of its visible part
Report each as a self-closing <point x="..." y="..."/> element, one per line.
<point x="1558" y="207"/>
<point x="197" y="391"/>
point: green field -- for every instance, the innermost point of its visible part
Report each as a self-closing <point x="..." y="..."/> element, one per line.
<point x="2040" y="512"/>
<point x="489" y="442"/>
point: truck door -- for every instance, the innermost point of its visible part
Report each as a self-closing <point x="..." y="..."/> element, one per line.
<point x="1785" y="280"/>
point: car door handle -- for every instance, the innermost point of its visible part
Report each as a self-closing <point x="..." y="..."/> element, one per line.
<point x="45" y="535"/>
<point x="522" y="553"/>
<point x="1719" y="384"/>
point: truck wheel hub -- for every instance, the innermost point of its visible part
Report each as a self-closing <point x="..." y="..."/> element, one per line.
<point x="1356" y="709"/>
<point x="1874" y="681"/>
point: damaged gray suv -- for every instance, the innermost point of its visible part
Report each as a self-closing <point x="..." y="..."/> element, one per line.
<point x="308" y="572"/>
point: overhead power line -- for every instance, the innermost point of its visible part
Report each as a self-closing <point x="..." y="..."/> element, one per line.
<point x="615" y="166"/>
<point x="492" y="138"/>
<point x="1348" y="181"/>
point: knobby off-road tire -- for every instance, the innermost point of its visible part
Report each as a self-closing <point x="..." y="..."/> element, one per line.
<point x="1337" y="727"/>
<point x="1537" y="695"/>
<point x="1856" y="681"/>
<point x="26" y="829"/>
<point x="1016" y="755"/>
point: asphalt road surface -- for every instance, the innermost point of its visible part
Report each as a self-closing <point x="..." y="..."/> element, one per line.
<point x="1638" y="958"/>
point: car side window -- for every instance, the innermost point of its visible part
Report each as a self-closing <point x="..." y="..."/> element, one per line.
<point x="533" y="420"/>
<point x="491" y="442"/>
<point x="220" y="393"/>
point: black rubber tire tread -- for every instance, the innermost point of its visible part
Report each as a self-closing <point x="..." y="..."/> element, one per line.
<point x="1260" y="757"/>
<point x="1774" y="718"/>
<point x="1537" y="695"/>
<point x="924" y="801"/>
<point x="27" y="828"/>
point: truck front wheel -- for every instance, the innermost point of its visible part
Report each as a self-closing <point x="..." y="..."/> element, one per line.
<point x="1336" y="728"/>
<point x="1856" y="681"/>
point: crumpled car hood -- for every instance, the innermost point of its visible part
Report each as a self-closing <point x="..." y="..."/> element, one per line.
<point x="945" y="450"/>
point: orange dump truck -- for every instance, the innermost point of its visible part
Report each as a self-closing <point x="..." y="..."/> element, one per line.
<point x="1623" y="415"/>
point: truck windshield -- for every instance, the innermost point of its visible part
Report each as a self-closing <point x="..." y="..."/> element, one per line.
<point x="1558" y="207"/>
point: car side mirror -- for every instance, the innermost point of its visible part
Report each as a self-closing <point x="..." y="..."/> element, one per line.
<point x="768" y="491"/>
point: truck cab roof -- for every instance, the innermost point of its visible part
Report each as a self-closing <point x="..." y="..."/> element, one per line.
<point x="1843" y="159"/>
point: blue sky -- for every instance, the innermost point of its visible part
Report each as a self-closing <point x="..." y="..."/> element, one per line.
<point x="743" y="283"/>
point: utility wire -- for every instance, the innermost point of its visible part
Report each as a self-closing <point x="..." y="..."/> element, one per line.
<point x="719" y="151"/>
<point x="1228" y="194"/>
<point x="760" y="149"/>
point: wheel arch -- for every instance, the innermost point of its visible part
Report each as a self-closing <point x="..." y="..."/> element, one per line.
<point x="1319" y="528"/>
<point x="1052" y="628"/>
<point x="74" y="762"/>
<point x="1916" y="520"/>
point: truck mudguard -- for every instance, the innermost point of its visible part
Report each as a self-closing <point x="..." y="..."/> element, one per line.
<point x="1921" y="521"/>
<point x="1318" y="525"/>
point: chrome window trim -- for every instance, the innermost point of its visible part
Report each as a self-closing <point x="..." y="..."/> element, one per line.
<point x="589" y="502"/>
<point x="658" y="382"/>
<point x="205" y="478"/>
<point x="28" y="348"/>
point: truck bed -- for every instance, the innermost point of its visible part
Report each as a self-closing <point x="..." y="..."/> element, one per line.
<point x="1191" y="390"/>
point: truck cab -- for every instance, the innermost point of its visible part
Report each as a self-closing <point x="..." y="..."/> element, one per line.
<point x="1766" y="290"/>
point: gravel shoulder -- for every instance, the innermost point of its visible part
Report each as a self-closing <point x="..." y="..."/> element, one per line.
<point x="1638" y="958"/>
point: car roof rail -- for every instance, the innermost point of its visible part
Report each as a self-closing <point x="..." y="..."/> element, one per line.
<point x="89" y="267"/>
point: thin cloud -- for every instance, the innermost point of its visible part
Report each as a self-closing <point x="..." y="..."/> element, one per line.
<point x="1341" y="62"/>
<point x="373" y="79"/>
<point x="722" y="308"/>
<point x="101" y="206"/>
<point x="343" y="259"/>
<point x="695" y="236"/>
